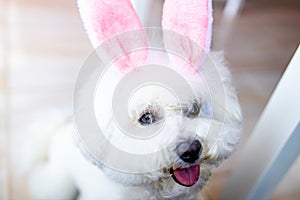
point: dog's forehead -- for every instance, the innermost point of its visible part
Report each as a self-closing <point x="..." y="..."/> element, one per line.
<point x="156" y="94"/>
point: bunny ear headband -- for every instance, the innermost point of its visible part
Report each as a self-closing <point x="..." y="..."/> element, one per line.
<point x="104" y="19"/>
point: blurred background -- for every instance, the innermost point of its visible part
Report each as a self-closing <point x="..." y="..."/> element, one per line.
<point x="43" y="44"/>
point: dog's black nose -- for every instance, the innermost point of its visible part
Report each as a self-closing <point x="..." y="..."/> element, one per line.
<point x="189" y="152"/>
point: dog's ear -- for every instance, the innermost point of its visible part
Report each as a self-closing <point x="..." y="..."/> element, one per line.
<point x="193" y="19"/>
<point x="104" y="19"/>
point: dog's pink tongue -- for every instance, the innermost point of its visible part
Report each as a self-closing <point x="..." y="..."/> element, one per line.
<point x="187" y="176"/>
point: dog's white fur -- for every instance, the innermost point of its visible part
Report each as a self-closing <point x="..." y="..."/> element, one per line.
<point x="63" y="169"/>
<point x="63" y="172"/>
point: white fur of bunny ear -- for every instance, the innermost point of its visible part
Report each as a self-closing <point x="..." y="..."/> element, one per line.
<point x="191" y="18"/>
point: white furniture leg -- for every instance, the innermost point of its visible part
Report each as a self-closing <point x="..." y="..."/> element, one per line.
<point x="273" y="146"/>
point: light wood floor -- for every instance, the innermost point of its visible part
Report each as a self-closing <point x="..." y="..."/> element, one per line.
<point x="43" y="45"/>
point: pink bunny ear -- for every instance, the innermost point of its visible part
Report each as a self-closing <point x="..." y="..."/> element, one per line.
<point x="104" y="19"/>
<point x="191" y="18"/>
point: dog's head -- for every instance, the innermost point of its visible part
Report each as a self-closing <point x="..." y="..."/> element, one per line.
<point x="196" y="132"/>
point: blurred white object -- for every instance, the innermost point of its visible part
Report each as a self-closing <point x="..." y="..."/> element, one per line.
<point x="274" y="144"/>
<point x="149" y="11"/>
<point x="232" y="8"/>
<point x="230" y="13"/>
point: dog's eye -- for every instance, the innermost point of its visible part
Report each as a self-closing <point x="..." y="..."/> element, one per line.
<point x="147" y="118"/>
<point x="192" y="110"/>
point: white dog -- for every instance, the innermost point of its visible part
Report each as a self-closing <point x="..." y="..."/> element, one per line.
<point x="66" y="169"/>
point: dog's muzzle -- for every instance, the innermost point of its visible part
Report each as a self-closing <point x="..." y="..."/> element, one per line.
<point x="189" y="153"/>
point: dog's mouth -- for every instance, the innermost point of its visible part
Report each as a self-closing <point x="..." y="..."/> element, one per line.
<point x="186" y="176"/>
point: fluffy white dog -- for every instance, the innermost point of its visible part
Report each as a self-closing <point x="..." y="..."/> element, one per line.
<point x="64" y="166"/>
